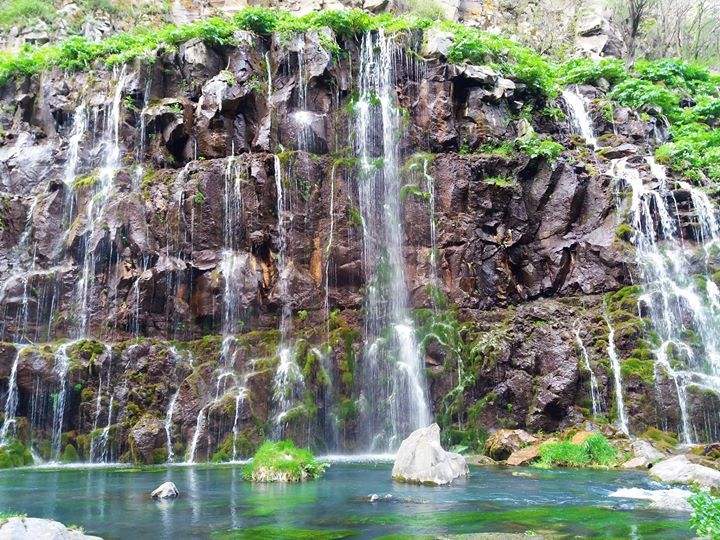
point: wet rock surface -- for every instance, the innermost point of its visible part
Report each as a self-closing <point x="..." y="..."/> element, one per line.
<point x="524" y="250"/>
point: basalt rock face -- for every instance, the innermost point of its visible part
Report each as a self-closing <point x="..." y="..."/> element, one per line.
<point x="166" y="272"/>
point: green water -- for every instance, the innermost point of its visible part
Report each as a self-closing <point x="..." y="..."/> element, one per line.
<point x="216" y="503"/>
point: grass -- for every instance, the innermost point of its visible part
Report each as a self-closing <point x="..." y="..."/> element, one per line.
<point x="13" y="12"/>
<point x="596" y="450"/>
<point x="282" y="462"/>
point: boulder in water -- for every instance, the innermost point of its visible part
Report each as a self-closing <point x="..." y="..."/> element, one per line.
<point x="25" y="528"/>
<point x="422" y="460"/>
<point x="680" y="470"/>
<point x="167" y="490"/>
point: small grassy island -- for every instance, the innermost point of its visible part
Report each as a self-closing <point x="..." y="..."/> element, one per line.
<point x="283" y="462"/>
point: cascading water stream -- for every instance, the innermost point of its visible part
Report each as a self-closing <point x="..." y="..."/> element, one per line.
<point x="577" y="109"/>
<point x="11" y="401"/>
<point x="328" y="249"/>
<point x="594" y="390"/>
<point x="288" y="380"/>
<point x="168" y="425"/>
<point x="666" y="267"/>
<point x="96" y="203"/>
<point x="671" y="295"/>
<point x="393" y="384"/>
<point x="62" y="365"/>
<point x="617" y="378"/>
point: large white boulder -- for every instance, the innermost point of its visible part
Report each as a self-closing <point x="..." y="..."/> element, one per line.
<point x="422" y="460"/>
<point x="680" y="470"/>
<point x="662" y="499"/>
<point x="26" y="528"/>
<point x="167" y="490"/>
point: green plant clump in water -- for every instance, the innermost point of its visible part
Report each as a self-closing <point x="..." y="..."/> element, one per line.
<point x="596" y="450"/>
<point x="705" y="519"/>
<point x="15" y="454"/>
<point x="283" y="462"/>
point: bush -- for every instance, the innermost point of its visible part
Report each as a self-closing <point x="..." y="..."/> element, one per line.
<point x="673" y="73"/>
<point x="705" y="519"/>
<point x="282" y="462"/>
<point x="695" y="149"/>
<point x="535" y="147"/>
<point x="15" y="454"/>
<point x="521" y="63"/>
<point x="595" y="451"/>
<point x="639" y="94"/>
<point x="588" y="71"/>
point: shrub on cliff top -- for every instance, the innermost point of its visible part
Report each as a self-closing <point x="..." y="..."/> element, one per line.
<point x="282" y="462"/>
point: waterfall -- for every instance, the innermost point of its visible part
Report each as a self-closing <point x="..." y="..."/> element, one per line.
<point x="79" y="128"/>
<point x="11" y="401"/>
<point x="140" y="152"/>
<point x="393" y="383"/>
<point x="239" y="400"/>
<point x="168" y="425"/>
<point x="199" y="426"/>
<point x="95" y="206"/>
<point x="594" y="391"/>
<point x="579" y="118"/>
<point x="617" y="378"/>
<point x="328" y="248"/>
<point x="679" y="303"/>
<point x="62" y="365"/>
<point x="288" y="380"/>
<point x="105" y="434"/>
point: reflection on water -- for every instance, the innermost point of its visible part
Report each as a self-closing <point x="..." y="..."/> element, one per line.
<point x="114" y="503"/>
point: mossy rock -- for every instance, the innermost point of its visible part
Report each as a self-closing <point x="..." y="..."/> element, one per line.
<point x="15" y="454"/>
<point x="282" y="462"/>
<point x="70" y="455"/>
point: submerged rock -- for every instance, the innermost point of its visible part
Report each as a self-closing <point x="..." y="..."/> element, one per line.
<point x="662" y="499"/>
<point x="26" y="528"/>
<point x="421" y="459"/>
<point x="167" y="490"/>
<point x="680" y="470"/>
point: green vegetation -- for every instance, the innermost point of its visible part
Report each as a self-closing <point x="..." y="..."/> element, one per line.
<point x="282" y="462"/>
<point x="705" y="519"/>
<point x="15" y="454"/>
<point x="22" y="11"/>
<point x="595" y="451"/>
<point x="587" y="71"/>
<point x="536" y="147"/>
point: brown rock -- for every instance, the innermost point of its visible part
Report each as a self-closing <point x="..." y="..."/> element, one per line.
<point x="581" y="436"/>
<point x="504" y="442"/>
<point x="524" y="456"/>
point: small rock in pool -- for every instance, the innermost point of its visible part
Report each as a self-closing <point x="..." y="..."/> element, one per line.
<point x="168" y="490"/>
